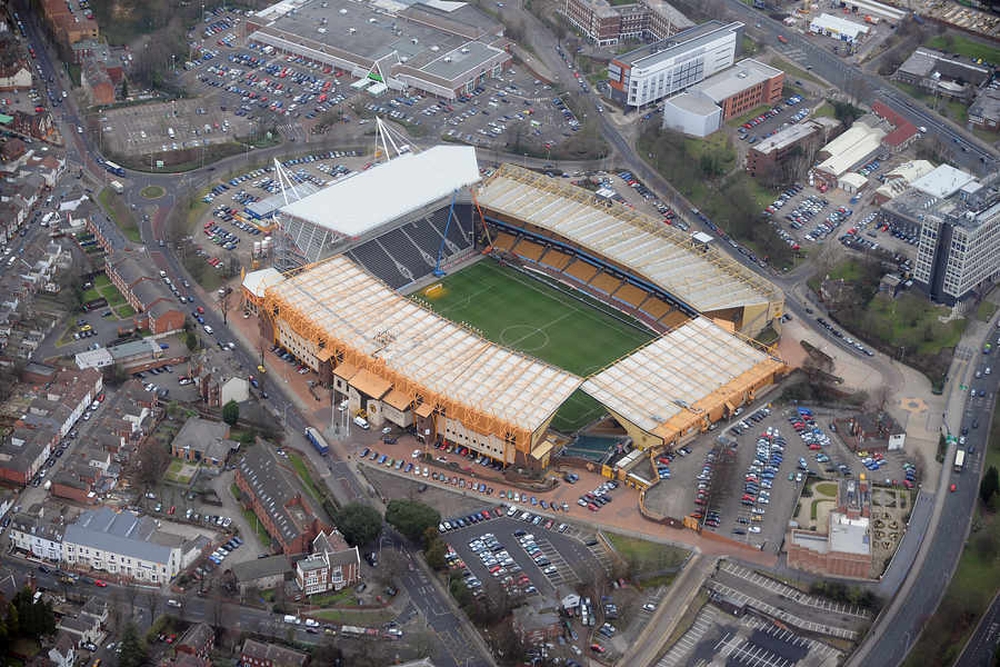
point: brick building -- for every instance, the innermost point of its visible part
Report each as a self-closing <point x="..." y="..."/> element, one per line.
<point x="201" y="440"/>
<point x="845" y="549"/>
<point x="96" y="82"/>
<point x="331" y="566"/>
<point x="199" y="640"/>
<point x="259" y="654"/>
<point x="272" y="489"/>
<point x="67" y="23"/>
<point x="606" y="24"/>
<point x="15" y="76"/>
<point x="776" y="149"/>
<point x="132" y="273"/>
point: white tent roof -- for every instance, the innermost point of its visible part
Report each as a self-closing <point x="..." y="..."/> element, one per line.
<point x="389" y="190"/>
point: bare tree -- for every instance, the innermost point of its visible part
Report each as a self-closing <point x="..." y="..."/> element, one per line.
<point x="115" y="609"/>
<point x="131" y="593"/>
<point x="153" y="601"/>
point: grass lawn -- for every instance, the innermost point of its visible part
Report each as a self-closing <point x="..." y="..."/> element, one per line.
<point x="303" y="472"/>
<point x="986" y="311"/>
<point x="905" y="324"/>
<point x="111" y="293"/>
<point x="124" y="311"/>
<point x="825" y="110"/>
<point x="969" y="48"/>
<point x="976" y="580"/>
<point x="262" y="536"/>
<point x="515" y="310"/>
<point x="344" y="597"/>
<point x="949" y="108"/>
<point x="102" y="281"/>
<point x="175" y="472"/>
<point x="152" y="192"/>
<point x="794" y="72"/>
<point x="647" y="557"/>
<point x="90" y="295"/>
<point x="828" y="489"/>
<point x="119" y="214"/>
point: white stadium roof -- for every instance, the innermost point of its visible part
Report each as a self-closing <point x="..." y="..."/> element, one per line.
<point x="698" y="361"/>
<point x="388" y="190"/>
<point x="258" y="281"/>
<point x="705" y="279"/>
<point x="344" y="303"/>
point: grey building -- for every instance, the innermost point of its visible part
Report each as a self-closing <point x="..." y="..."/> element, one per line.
<point x="942" y="74"/>
<point x="958" y="218"/>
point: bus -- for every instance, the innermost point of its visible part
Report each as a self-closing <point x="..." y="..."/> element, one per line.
<point x="314" y="437"/>
<point x="959" y="460"/>
<point x="113" y="168"/>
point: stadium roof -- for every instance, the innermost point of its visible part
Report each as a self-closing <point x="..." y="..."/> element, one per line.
<point x="389" y="190"/>
<point x="668" y="386"/>
<point x="706" y="280"/>
<point x="258" y="281"/>
<point x="347" y="308"/>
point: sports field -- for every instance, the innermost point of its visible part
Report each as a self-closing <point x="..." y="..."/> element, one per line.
<point x="563" y="328"/>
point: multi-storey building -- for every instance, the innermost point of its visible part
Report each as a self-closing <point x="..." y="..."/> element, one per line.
<point x="274" y="493"/>
<point x="958" y="218"/>
<point x="655" y="71"/>
<point x="332" y="566"/>
<point x="606" y="24"/>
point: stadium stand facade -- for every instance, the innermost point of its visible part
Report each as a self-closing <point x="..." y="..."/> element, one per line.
<point x="652" y="271"/>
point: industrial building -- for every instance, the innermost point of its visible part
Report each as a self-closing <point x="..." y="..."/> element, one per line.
<point x="984" y="112"/>
<point x="895" y="182"/>
<point x="661" y="69"/>
<point x="858" y="144"/>
<point x="607" y="25"/>
<point x="958" y="217"/>
<point x="702" y="108"/>
<point x="838" y="28"/>
<point x="442" y="49"/>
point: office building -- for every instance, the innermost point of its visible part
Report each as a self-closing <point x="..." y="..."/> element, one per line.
<point x="656" y="71"/>
<point x="607" y="25"/>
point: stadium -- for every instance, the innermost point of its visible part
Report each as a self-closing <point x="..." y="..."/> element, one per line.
<point x="486" y="313"/>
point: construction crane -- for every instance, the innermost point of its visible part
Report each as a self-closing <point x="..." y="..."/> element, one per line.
<point x="438" y="271"/>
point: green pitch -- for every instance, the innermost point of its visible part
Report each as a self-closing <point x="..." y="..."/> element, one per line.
<point x="510" y="308"/>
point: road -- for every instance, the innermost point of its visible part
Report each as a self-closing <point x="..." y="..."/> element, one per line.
<point x="982" y="645"/>
<point x="899" y="626"/>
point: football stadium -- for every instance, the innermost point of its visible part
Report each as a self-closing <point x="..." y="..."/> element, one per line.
<point x="488" y="313"/>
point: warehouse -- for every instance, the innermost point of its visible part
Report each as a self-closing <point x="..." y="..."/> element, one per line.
<point x="440" y="49"/>
<point x="838" y="28"/>
<point x="853" y="147"/>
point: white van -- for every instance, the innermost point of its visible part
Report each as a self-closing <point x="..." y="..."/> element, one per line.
<point x="362" y="422"/>
<point x="208" y="330"/>
<point x="174" y="603"/>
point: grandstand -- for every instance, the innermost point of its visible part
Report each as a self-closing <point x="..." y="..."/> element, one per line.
<point x="360" y="214"/>
<point x="682" y="382"/>
<point x="401" y="363"/>
<point x="652" y="271"/>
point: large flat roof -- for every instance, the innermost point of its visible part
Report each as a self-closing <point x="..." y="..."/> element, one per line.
<point x="670" y="384"/>
<point x="741" y="76"/>
<point x="690" y="39"/>
<point x="943" y="181"/>
<point x="705" y="279"/>
<point x="850" y="148"/>
<point x="452" y="64"/>
<point x="345" y="306"/>
<point x="389" y="190"/>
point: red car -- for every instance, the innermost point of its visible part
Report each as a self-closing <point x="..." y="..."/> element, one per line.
<point x="953" y="488"/>
<point x="100" y="583"/>
<point x="173" y="508"/>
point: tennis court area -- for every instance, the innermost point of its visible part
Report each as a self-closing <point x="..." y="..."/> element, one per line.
<point x="557" y="325"/>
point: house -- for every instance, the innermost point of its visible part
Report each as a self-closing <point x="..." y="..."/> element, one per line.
<point x="272" y="489"/>
<point x="332" y="565"/>
<point x="261" y="573"/>
<point x="537" y="622"/>
<point x="199" y="640"/>
<point x="63" y="654"/>
<point x="15" y="76"/>
<point x="39" y="126"/>
<point x="260" y="654"/>
<point x="84" y="627"/>
<point x="40" y="530"/>
<point x="203" y="441"/>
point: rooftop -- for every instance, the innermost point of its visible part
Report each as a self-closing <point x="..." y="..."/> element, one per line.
<point x="461" y="59"/>
<point x="259" y="568"/>
<point x="792" y="134"/>
<point x="123" y="533"/>
<point x="851" y="147"/>
<point x="741" y="76"/>
<point x="200" y="435"/>
<point x="840" y="25"/>
<point x="279" y="490"/>
<point x="670" y="384"/>
<point x="348" y="308"/>
<point x="943" y="182"/>
<point x="258" y="281"/>
<point x="706" y="280"/>
<point x="367" y="199"/>
<point x="694" y="101"/>
<point x="278" y="656"/>
<point x="926" y="62"/>
<point x="683" y="42"/>
<point x="849" y="535"/>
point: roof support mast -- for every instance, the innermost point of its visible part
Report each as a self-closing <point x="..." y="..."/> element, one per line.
<point x="386" y="138"/>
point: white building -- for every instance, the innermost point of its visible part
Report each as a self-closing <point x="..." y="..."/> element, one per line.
<point x="41" y="535"/>
<point x="234" y="389"/>
<point x="127" y="544"/>
<point x="655" y="71"/>
<point x="838" y="28"/>
<point x="692" y="112"/>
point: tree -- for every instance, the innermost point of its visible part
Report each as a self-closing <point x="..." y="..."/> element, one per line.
<point x="153" y="602"/>
<point x="359" y="524"/>
<point x="411" y="518"/>
<point x="152" y="463"/>
<point x="224" y="304"/>
<point x="32" y="619"/>
<point x="133" y="649"/>
<point x="191" y="341"/>
<point x="990" y="485"/>
<point x="124" y="89"/>
<point x="231" y="413"/>
<point x="434" y="549"/>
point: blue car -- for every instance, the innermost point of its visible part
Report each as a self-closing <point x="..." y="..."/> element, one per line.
<point x="382" y="459"/>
